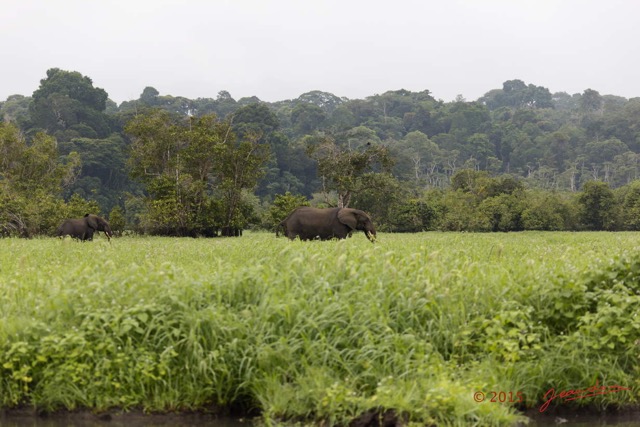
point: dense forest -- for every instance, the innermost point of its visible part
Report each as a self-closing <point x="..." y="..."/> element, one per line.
<point x="517" y="158"/>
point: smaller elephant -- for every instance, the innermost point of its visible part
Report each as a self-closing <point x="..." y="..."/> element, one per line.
<point x="83" y="228"/>
<point x="309" y="223"/>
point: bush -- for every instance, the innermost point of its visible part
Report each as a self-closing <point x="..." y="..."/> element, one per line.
<point x="282" y="206"/>
<point x="117" y="221"/>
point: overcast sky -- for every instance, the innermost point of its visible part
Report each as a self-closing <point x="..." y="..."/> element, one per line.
<point x="279" y="49"/>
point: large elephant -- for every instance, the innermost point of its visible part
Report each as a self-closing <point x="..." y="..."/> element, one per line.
<point x="312" y="223"/>
<point x="83" y="228"/>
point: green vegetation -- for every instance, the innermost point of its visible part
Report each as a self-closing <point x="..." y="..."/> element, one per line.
<point x="517" y="158"/>
<point x="320" y="330"/>
<point x="31" y="178"/>
<point x="194" y="173"/>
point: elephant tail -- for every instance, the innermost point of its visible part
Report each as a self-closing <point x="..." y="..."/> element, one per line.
<point x="278" y="229"/>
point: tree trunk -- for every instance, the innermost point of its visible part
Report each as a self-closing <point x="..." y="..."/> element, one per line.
<point x="344" y="199"/>
<point x="231" y="232"/>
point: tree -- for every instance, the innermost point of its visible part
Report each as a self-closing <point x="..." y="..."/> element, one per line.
<point x="597" y="206"/>
<point x="66" y="104"/>
<point x="103" y="176"/>
<point x="225" y="104"/>
<point x="255" y="118"/>
<point x="502" y="212"/>
<point x="283" y="205"/>
<point x="149" y="96"/>
<point x="545" y="210"/>
<point x="470" y="181"/>
<point x="175" y="176"/>
<point x="418" y="157"/>
<point x="468" y="119"/>
<point x="604" y="151"/>
<point x="479" y="147"/>
<point x="32" y="177"/>
<point x="591" y="101"/>
<point x="16" y="109"/>
<point x="564" y="101"/>
<point x="482" y="186"/>
<point x="306" y="118"/>
<point x="341" y="119"/>
<point x="258" y="119"/>
<point x="516" y="94"/>
<point x="630" y="203"/>
<point x="238" y="166"/>
<point x="345" y="169"/>
<point x="325" y="100"/>
<point x="195" y="171"/>
<point x="117" y="221"/>
<point x="385" y="198"/>
<point x="28" y="167"/>
<point x="412" y="216"/>
<point x="456" y="211"/>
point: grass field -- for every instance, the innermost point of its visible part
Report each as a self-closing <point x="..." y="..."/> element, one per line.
<point x="416" y="323"/>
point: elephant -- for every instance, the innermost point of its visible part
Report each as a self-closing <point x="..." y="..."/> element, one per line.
<point x="309" y="223"/>
<point x="83" y="228"/>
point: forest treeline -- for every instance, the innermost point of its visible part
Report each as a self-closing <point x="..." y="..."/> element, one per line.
<point x="517" y="158"/>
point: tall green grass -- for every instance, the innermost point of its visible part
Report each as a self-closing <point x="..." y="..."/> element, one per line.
<point x="320" y="330"/>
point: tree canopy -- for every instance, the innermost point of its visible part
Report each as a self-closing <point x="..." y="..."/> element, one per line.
<point x="192" y="166"/>
<point x="184" y="164"/>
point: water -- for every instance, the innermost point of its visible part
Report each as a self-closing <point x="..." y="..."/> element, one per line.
<point x="627" y="419"/>
<point x="119" y="420"/>
<point x="28" y="419"/>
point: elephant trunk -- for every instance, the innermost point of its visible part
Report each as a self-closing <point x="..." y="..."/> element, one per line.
<point x="371" y="236"/>
<point x="108" y="233"/>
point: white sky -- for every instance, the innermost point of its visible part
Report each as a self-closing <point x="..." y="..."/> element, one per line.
<point x="279" y="49"/>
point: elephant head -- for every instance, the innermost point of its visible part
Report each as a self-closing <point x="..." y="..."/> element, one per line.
<point x="99" y="224"/>
<point x="356" y="219"/>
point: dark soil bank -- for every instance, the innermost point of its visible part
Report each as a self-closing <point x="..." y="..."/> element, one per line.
<point x="28" y="418"/>
<point x="582" y="417"/>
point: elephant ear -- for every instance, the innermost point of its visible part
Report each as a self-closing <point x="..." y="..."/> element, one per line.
<point x="92" y="222"/>
<point x="348" y="217"/>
